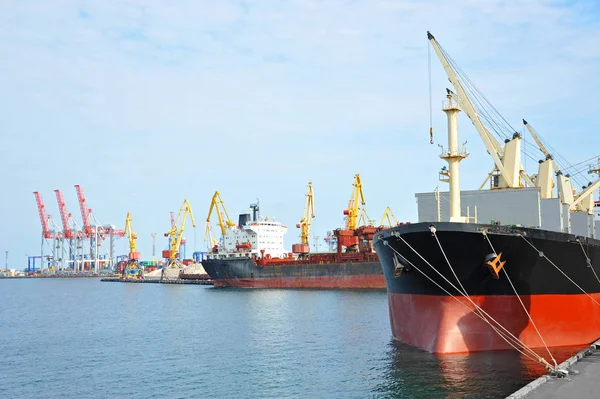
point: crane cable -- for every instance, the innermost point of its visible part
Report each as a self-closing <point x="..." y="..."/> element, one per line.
<point x="430" y="106"/>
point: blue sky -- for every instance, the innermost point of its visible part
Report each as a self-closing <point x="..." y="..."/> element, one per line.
<point x="145" y="103"/>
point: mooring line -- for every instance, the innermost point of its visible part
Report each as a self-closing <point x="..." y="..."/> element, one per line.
<point x="521" y="302"/>
<point x="542" y="254"/>
<point x="531" y="354"/>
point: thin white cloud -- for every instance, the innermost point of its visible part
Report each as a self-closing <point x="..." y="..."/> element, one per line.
<point x="175" y="100"/>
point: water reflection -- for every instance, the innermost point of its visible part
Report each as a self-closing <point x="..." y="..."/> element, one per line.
<point x="413" y="373"/>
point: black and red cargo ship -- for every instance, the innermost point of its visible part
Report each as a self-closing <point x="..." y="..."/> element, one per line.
<point x="528" y="277"/>
<point x="427" y="312"/>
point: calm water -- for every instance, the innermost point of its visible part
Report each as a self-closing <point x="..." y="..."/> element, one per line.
<point x="84" y="338"/>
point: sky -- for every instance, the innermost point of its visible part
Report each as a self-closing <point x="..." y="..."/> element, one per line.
<point x="145" y="103"/>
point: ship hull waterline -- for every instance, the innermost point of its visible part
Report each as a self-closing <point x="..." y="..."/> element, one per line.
<point x="244" y="273"/>
<point x="425" y="311"/>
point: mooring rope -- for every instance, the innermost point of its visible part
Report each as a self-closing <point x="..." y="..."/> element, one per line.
<point x="464" y="291"/>
<point x="527" y="352"/>
<point x="521" y="302"/>
<point x="543" y="255"/>
<point x="588" y="260"/>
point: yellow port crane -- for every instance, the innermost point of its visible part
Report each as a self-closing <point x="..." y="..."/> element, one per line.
<point x="364" y="219"/>
<point x="217" y="204"/>
<point x="353" y="211"/>
<point x="389" y="216"/>
<point x="304" y="225"/>
<point x="132" y="268"/>
<point x="175" y="235"/>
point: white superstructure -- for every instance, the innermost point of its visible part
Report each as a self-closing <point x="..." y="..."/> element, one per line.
<point x="264" y="235"/>
<point x="261" y="235"/>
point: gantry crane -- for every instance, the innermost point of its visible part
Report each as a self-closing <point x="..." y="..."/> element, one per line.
<point x="49" y="231"/>
<point x="216" y="204"/>
<point x="175" y="234"/>
<point x="309" y="213"/>
<point x="389" y="216"/>
<point x="96" y="233"/>
<point x="132" y="268"/>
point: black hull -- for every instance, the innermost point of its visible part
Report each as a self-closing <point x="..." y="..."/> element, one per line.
<point x="243" y="272"/>
<point x="467" y="250"/>
<point x="545" y="308"/>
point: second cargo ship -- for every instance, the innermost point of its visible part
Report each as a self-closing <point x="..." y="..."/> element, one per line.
<point x="252" y="254"/>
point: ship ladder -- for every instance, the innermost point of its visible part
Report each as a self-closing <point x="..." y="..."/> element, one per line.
<point x="482" y="314"/>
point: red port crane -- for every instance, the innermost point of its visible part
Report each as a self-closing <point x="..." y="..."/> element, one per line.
<point x="43" y="216"/>
<point x="64" y="215"/>
<point x="88" y="229"/>
<point x="85" y="212"/>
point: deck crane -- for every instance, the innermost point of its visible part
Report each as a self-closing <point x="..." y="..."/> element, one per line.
<point x="581" y="202"/>
<point x="544" y="177"/>
<point x="507" y="160"/>
<point x="541" y="145"/>
<point x="309" y="213"/>
<point x="175" y="234"/>
<point x="389" y="216"/>
<point x="132" y="268"/>
<point x="216" y="204"/>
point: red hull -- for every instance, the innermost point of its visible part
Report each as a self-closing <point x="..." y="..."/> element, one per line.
<point x="339" y="282"/>
<point x="440" y="324"/>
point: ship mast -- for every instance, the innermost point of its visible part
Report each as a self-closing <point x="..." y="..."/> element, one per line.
<point x="453" y="157"/>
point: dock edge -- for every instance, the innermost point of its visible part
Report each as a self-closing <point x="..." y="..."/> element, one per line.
<point x="527" y="389"/>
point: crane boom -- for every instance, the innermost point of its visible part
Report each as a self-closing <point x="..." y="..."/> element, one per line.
<point x="585" y="194"/>
<point x="540" y="145"/>
<point x="217" y="203"/>
<point x="309" y="214"/>
<point x="497" y="146"/>
<point x="85" y="211"/>
<point x="389" y="215"/>
<point x="43" y="216"/>
<point x="130" y="234"/>
<point x="364" y="219"/>
<point x="132" y="269"/>
<point x="64" y="215"/>
<point x="472" y="114"/>
<point x="357" y="198"/>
